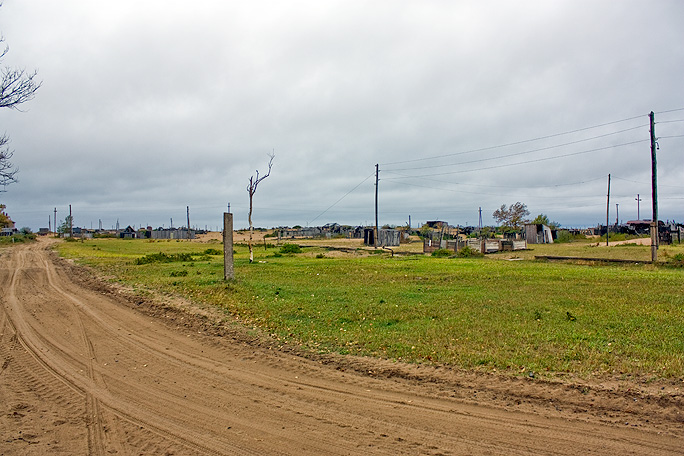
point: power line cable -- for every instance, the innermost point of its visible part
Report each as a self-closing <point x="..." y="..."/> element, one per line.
<point x="669" y="121"/>
<point x="496" y="186"/>
<point x="660" y="184"/>
<point x="345" y="195"/>
<point x="479" y="193"/>
<point x="521" y="153"/>
<point x="513" y="143"/>
<point x="671" y="110"/>
<point x="535" y="160"/>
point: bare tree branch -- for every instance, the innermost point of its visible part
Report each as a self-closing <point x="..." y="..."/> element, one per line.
<point x="251" y="189"/>
<point x="16" y="87"/>
<point x="7" y="170"/>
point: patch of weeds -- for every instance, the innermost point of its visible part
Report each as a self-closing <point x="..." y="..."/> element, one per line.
<point x="213" y="252"/>
<point x="468" y="252"/>
<point x="163" y="258"/>
<point x="320" y="255"/>
<point x="182" y="273"/>
<point x="677" y="260"/>
<point x="442" y="253"/>
<point x="290" y="248"/>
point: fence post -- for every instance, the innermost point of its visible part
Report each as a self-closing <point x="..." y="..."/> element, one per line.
<point x="228" y="269"/>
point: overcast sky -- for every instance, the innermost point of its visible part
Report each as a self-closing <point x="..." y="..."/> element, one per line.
<point x="147" y="107"/>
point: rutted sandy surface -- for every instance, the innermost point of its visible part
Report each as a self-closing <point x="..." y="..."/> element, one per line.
<point x="86" y="370"/>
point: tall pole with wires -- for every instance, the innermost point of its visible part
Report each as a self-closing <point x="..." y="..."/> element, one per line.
<point x="608" y="211"/>
<point x="377" y="231"/>
<point x="654" y="191"/>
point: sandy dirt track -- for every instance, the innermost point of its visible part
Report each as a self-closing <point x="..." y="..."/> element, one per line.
<point x="87" y="371"/>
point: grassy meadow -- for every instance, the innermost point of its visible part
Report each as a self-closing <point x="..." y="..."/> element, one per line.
<point x="523" y="317"/>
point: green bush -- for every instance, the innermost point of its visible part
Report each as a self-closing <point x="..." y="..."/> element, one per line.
<point x="290" y="248"/>
<point x="163" y="258"/>
<point x="563" y="236"/>
<point x="441" y="253"/>
<point x="467" y="252"/>
<point x="17" y="238"/>
<point x="677" y="260"/>
<point x="213" y="252"/>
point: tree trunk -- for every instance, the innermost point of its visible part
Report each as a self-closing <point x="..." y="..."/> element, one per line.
<point x="251" y="227"/>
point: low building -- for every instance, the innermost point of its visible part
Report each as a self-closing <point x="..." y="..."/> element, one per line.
<point x="538" y="233"/>
<point x="386" y="238"/>
<point x="8" y="231"/>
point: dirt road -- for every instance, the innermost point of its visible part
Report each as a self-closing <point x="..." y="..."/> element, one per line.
<point x="86" y="371"/>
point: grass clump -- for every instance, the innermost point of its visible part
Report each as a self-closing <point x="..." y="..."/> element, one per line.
<point x="563" y="236"/>
<point x="162" y="257"/>
<point x="17" y="238"/>
<point x="443" y="253"/>
<point x="677" y="260"/>
<point x="468" y="252"/>
<point x="290" y="248"/>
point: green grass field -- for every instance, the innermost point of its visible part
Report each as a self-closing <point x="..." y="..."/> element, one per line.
<point x="517" y="317"/>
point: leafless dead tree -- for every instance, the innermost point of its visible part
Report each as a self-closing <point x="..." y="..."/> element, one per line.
<point x="7" y="170"/>
<point x="16" y="87"/>
<point x="251" y="189"/>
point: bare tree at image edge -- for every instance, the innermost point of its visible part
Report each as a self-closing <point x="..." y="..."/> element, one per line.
<point x="251" y="189"/>
<point x="16" y="87"/>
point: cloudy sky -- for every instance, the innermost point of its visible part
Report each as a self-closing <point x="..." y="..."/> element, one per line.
<point x="148" y="107"/>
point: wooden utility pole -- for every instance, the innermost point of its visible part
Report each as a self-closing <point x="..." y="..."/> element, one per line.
<point x="617" y="214"/>
<point x="228" y="269"/>
<point x="377" y="230"/>
<point x="654" y="192"/>
<point x="188" y="209"/>
<point x="55" y="222"/>
<point x="608" y="211"/>
<point x="71" y="223"/>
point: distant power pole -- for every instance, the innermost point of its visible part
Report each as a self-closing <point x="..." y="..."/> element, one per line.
<point x="638" y="200"/>
<point x="377" y="231"/>
<point x="188" y="209"/>
<point x="617" y="214"/>
<point x="480" y="222"/>
<point x="608" y="210"/>
<point x="654" y="191"/>
<point x="55" y="220"/>
<point x="71" y="223"/>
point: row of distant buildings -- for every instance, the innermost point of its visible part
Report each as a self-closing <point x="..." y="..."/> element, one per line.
<point x="439" y="232"/>
<point x="130" y="233"/>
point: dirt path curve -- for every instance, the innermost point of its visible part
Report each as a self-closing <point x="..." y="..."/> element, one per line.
<point x="85" y="372"/>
